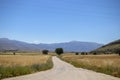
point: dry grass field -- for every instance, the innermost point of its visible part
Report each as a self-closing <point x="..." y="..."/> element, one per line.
<point x="22" y="60"/>
<point x="15" y="65"/>
<point x="108" y="64"/>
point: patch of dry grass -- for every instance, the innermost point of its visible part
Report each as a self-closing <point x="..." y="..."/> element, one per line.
<point x="22" y="60"/>
<point x="15" y="65"/>
<point x="109" y="64"/>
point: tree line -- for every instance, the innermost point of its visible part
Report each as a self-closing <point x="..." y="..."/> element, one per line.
<point x="59" y="51"/>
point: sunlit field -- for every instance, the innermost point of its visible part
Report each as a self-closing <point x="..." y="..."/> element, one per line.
<point x="26" y="60"/>
<point x="15" y="65"/>
<point x="108" y="64"/>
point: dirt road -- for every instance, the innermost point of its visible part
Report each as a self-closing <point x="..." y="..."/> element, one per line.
<point x="65" y="71"/>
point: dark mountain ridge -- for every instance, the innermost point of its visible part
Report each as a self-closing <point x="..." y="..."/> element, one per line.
<point x="110" y="47"/>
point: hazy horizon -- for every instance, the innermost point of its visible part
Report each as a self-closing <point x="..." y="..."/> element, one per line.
<point x="51" y="21"/>
<point x="55" y="42"/>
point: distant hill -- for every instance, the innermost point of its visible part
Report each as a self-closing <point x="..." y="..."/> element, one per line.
<point x="7" y="44"/>
<point x="110" y="47"/>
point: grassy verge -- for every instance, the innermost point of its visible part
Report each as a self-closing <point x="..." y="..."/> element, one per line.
<point x="15" y="69"/>
<point x="104" y="64"/>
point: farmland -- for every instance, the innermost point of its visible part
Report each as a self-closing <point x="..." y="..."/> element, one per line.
<point x="15" y="65"/>
<point x="108" y="64"/>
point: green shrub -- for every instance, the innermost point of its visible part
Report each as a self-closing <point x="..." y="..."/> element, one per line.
<point x="59" y="51"/>
<point x="45" y="51"/>
<point x="76" y="53"/>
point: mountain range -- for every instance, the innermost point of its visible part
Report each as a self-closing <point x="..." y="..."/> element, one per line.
<point x="73" y="46"/>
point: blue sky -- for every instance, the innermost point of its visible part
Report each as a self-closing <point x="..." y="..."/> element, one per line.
<point x="51" y="21"/>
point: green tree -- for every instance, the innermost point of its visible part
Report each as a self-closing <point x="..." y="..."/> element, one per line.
<point x="59" y="51"/>
<point x="76" y="53"/>
<point x="117" y="51"/>
<point x="82" y="53"/>
<point x="45" y="51"/>
<point x="13" y="53"/>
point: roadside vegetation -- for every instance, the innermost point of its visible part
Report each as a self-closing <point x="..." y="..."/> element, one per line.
<point x="108" y="64"/>
<point x="15" y="65"/>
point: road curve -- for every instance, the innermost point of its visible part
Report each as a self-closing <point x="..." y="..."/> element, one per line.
<point x="64" y="71"/>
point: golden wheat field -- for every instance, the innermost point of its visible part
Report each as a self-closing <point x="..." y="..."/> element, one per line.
<point x="22" y="60"/>
<point x="96" y="60"/>
<point x="109" y="64"/>
<point x="21" y="64"/>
